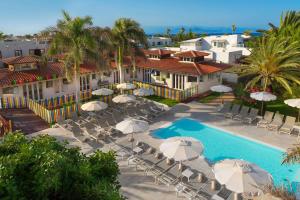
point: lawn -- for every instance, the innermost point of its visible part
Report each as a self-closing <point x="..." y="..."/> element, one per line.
<point x="273" y="106"/>
<point x="169" y="102"/>
<point x="210" y="97"/>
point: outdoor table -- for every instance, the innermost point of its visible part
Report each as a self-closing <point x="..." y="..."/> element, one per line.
<point x="137" y="150"/>
<point x="187" y="173"/>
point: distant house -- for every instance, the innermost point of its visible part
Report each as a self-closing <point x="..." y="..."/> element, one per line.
<point x="159" y="41"/>
<point x="223" y="48"/>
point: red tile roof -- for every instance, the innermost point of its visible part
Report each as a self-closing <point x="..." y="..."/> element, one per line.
<point x="191" y="54"/>
<point x="21" y="60"/>
<point x="174" y="65"/>
<point x="159" y="52"/>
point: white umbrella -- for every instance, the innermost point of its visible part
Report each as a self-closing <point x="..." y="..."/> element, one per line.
<point x="124" y="98"/>
<point x="263" y="96"/>
<point x="94" y="106"/>
<point x="181" y="148"/>
<point x="103" y="92"/>
<point x="143" y="92"/>
<point x="126" y="86"/>
<point x="221" y="88"/>
<point x="132" y="125"/>
<point x="242" y="177"/>
<point x="294" y="103"/>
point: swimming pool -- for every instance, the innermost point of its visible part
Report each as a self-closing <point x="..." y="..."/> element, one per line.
<point x="219" y="145"/>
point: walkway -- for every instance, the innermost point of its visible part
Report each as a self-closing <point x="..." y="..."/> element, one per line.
<point x="227" y="97"/>
<point x="25" y="120"/>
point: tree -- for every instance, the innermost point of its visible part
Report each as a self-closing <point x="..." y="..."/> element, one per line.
<point x="168" y="33"/>
<point x="274" y="60"/>
<point x="42" y="168"/>
<point x="292" y="155"/>
<point x="191" y="34"/>
<point x="127" y="34"/>
<point x="2" y="36"/>
<point x="233" y="28"/>
<point x="247" y="32"/>
<point x="73" y="38"/>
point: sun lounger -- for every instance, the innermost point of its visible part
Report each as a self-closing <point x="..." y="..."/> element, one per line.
<point x="243" y="113"/>
<point x="288" y="125"/>
<point x="268" y="117"/>
<point x="172" y="176"/>
<point x="149" y="160"/>
<point x="234" y="111"/>
<point x="161" y="167"/>
<point x="225" y="108"/>
<point x="276" y="123"/>
<point x="252" y="116"/>
<point x="223" y="194"/>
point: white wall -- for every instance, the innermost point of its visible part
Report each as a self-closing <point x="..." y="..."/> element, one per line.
<point x="154" y="41"/>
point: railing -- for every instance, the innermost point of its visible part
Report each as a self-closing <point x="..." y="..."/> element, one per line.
<point x="13" y="102"/>
<point x="170" y="93"/>
<point x="5" y="126"/>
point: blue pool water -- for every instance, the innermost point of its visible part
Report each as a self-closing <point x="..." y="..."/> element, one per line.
<point x="219" y="145"/>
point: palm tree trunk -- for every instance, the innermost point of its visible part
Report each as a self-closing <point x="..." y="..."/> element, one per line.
<point x="120" y="64"/>
<point x="77" y="90"/>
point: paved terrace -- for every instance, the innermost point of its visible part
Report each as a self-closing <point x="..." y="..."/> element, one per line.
<point x="137" y="186"/>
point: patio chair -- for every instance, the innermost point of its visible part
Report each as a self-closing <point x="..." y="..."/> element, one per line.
<point x="226" y="108"/>
<point x="267" y="119"/>
<point x="252" y="116"/>
<point x="288" y="125"/>
<point x="234" y="111"/>
<point x="243" y="113"/>
<point x="276" y="123"/>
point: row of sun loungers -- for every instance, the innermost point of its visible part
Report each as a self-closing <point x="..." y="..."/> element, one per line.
<point x="167" y="171"/>
<point x="249" y="115"/>
<point x="277" y="123"/>
<point x="244" y="114"/>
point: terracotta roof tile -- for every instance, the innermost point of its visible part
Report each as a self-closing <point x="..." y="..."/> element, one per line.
<point x="160" y="52"/>
<point x="21" y="60"/>
<point x="192" y="54"/>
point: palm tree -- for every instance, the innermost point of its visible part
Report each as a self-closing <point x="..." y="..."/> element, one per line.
<point x="168" y="33"/>
<point x="73" y="38"/>
<point x="274" y="61"/>
<point x="127" y="35"/>
<point x="292" y="155"/>
<point x="233" y="28"/>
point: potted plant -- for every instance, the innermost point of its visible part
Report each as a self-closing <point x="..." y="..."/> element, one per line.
<point x="14" y="82"/>
<point x="54" y="76"/>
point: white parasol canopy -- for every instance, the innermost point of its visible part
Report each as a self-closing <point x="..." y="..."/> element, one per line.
<point x="263" y="96"/>
<point x="132" y="126"/>
<point x="103" y="92"/>
<point x="143" y="92"/>
<point x="221" y="88"/>
<point x="294" y="103"/>
<point x="126" y="86"/>
<point x="124" y="98"/>
<point x="94" y="106"/>
<point x="242" y="177"/>
<point x="181" y="148"/>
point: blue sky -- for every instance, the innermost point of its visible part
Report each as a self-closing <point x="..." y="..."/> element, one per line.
<point x="29" y="16"/>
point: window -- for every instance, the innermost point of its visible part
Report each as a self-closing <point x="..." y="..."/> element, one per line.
<point x="10" y="90"/>
<point x="93" y="76"/>
<point x="158" y="43"/>
<point x="166" y="43"/>
<point x="31" y="52"/>
<point x="168" y="75"/>
<point x="18" y="52"/>
<point x="192" y="79"/>
<point x="201" y="78"/>
<point x="127" y="71"/>
<point x="49" y="84"/>
<point x="211" y="76"/>
<point x="153" y="43"/>
<point x="0" y="55"/>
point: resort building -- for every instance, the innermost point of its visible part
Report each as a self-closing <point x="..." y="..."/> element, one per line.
<point x="29" y="76"/>
<point x="159" y="41"/>
<point x="222" y="49"/>
<point x="11" y="48"/>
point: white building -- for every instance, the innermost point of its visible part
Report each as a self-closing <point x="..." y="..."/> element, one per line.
<point x="159" y="41"/>
<point x="223" y="48"/>
<point x="25" y="75"/>
<point x="11" y="48"/>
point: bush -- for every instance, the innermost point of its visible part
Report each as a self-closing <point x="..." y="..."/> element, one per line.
<point x="42" y="168"/>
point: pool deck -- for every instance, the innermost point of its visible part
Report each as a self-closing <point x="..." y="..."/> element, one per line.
<point x="137" y="186"/>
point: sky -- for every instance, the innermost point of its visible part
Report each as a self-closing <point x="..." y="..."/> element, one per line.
<point x="31" y="16"/>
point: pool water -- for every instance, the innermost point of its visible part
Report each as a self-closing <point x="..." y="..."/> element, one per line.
<point x="219" y="145"/>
